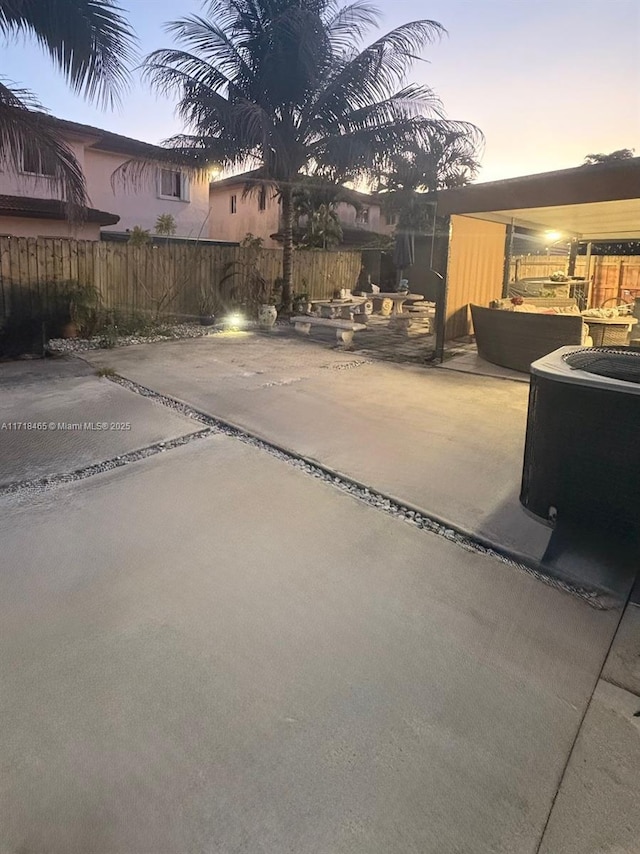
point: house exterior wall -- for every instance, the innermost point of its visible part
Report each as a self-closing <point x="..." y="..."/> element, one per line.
<point x="135" y="206"/>
<point x="29" y="227"/>
<point x="248" y="218"/>
<point x="142" y="205"/>
<point x="23" y="184"/>
<point x="348" y="216"/>
<point x="474" y="270"/>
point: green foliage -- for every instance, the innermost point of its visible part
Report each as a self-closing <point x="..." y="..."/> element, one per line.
<point x="251" y="242"/>
<point x="442" y="160"/>
<point x="166" y="225"/>
<point x="139" y="236"/>
<point x="109" y="336"/>
<point x="620" y="154"/>
<point x="323" y="229"/>
<point x="106" y="372"/>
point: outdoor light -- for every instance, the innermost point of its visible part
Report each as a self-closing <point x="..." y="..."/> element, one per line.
<point x="552" y="236"/>
<point x="234" y="321"/>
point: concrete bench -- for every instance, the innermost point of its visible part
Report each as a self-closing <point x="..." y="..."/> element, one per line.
<point x="345" y="329"/>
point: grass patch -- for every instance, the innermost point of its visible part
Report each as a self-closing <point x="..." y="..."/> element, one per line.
<point x="105" y="372"/>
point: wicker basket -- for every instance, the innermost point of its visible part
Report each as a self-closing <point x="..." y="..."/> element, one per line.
<point x="606" y="334"/>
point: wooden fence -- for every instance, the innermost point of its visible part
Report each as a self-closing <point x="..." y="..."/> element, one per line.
<point x="165" y="280"/>
<point x="613" y="276"/>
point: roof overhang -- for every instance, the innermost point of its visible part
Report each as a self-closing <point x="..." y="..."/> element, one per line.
<point x="26" y="207"/>
<point x="594" y="221"/>
<point x="589" y="202"/>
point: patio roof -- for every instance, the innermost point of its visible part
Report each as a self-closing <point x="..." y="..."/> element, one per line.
<point x="588" y="202"/>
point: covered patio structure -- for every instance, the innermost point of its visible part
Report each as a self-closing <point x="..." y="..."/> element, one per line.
<point x="585" y="204"/>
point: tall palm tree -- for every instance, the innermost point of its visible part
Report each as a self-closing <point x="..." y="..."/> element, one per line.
<point x="288" y="84"/>
<point x="91" y="43"/>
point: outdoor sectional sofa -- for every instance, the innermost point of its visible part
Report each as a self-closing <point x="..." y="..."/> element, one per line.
<point x="515" y="339"/>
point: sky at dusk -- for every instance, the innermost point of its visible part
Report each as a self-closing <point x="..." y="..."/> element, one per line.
<point x="547" y="82"/>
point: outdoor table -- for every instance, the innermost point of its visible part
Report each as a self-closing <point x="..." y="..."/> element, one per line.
<point x="339" y="304"/>
<point x="397" y="299"/>
<point x="607" y="331"/>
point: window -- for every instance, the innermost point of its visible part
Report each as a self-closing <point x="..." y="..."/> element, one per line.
<point x="362" y="216"/>
<point x="233" y="206"/>
<point x="391" y="218"/>
<point x="262" y="199"/>
<point x="32" y="164"/>
<point x="173" y="185"/>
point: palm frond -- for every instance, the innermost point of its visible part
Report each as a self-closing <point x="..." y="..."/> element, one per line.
<point x="90" y="40"/>
<point x="347" y="25"/>
<point x="373" y="74"/>
<point x="27" y="134"/>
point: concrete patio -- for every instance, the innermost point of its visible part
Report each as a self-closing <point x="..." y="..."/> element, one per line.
<point x="211" y="650"/>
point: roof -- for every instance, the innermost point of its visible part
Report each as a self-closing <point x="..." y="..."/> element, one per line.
<point x="110" y="142"/>
<point x="255" y="176"/>
<point x="30" y="208"/>
<point x="600" y="202"/>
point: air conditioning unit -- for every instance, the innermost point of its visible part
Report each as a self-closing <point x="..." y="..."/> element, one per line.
<point x="582" y="451"/>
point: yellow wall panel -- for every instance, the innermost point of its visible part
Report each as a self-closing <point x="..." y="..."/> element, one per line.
<point x="474" y="270"/>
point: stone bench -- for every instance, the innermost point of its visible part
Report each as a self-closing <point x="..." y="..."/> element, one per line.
<point x="345" y="329"/>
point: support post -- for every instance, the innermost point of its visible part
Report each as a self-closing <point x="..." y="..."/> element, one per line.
<point x="508" y="251"/>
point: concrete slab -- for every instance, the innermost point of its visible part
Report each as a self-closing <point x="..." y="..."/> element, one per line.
<point x="471" y="363"/>
<point x="449" y="443"/>
<point x="76" y="419"/>
<point x="597" y="806"/>
<point x="623" y="664"/>
<point x="209" y="650"/>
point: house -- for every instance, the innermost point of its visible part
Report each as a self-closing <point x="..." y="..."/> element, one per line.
<point x="29" y="205"/>
<point x="236" y="212"/>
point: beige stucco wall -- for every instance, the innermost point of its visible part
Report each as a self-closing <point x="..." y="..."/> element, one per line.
<point x="27" y="227"/>
<point x="140" y="205"/>
<point x="21" y="184"/>
<point x="223" y="225"/>
<point x="348" y="216"/>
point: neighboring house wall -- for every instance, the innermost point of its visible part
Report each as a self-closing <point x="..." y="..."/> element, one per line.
<point x="28" y="227"/>
<point x="233" y="220"/>
<point x="367" y="218"/>
<point x="141" y="205"/>
<point x="134" y="205"/>
<point x="41" y="187"/>
<point x="474" y="271"/>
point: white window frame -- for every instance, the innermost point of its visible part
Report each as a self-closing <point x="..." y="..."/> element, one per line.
<point x="362" y="216"/>
<point x="184" y="186"/>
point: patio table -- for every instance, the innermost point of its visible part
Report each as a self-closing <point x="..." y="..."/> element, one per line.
<point x="339" y="305"/>
<point x="606" y="331"/>
<point x="397" y="299"/>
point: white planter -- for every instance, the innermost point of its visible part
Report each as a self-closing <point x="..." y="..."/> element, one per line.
<point x="267" y="315"/>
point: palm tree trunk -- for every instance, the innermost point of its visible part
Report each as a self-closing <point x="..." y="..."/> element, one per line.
<point x="287" y="246"/>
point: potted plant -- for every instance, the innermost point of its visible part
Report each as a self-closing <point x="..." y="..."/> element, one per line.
<point x="83" y="304"/>
<point x="206" y="307"/>
<point x="301" y="303"/>
<point x="268" y="313"/>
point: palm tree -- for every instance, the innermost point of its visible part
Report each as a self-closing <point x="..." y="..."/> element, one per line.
<point x="289" y="86"/>
<point x="620" y="154"/>
<point x="91" y="43"/>
<point x="447" y="159"/>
